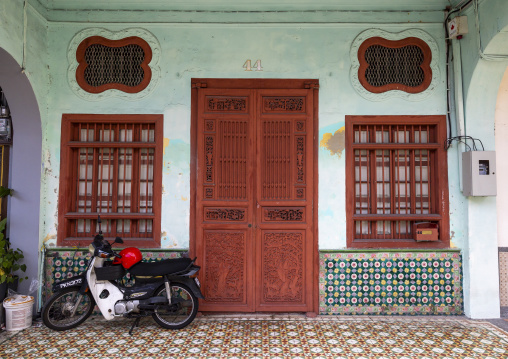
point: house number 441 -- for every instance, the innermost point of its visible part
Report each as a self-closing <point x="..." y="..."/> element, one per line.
<point x="248" y="67"/>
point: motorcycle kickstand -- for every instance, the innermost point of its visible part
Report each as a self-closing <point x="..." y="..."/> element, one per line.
<point x="135" y="324"/>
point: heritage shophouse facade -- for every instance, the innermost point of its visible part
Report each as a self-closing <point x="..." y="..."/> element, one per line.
<point x="302" y="152"/>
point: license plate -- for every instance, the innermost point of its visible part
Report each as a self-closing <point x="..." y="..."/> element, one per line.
<point x="197" y="282"/>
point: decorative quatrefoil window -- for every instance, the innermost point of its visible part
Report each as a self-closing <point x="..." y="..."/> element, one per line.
<point x="119" y="64"/>
<point x="394" y="65"/>
<point x="113" y="64"/>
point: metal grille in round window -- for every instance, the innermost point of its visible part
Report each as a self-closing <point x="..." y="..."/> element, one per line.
<point x="113" y="64"/>
<point x="395" y="65"/>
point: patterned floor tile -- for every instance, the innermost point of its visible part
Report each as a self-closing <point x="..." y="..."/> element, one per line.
<point x="215" y="337"/>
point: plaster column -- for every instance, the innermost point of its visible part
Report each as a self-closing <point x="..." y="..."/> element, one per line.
<point x="481" y="264"/>
<point x="501" y="116"/>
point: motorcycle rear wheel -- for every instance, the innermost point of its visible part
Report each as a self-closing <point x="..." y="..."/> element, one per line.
<point x="186" y="307"/>
<point x="57" y="313"/>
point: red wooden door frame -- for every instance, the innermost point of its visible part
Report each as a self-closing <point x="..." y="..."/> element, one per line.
<point x="257" y="84"/>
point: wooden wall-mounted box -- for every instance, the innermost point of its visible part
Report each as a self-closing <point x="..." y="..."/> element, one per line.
<point x="426" y="231"/>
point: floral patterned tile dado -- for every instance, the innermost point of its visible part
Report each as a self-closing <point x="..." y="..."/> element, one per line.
<point x="66" y="264"/>
<point x="420" y="283"/>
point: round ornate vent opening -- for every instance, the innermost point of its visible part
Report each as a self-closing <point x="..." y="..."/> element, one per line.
<point x="113" y="64"/>
<point x="394" y="65"/>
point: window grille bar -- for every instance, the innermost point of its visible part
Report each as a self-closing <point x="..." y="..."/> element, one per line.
<point x="77" y="205"/>
<point x="100" y="179"/>
<point x="413" y="182"/>
<point x="383" y="181"/>
<point x="429" y="175"/>
<point x="372" y="179"/>
<point x="114" y="190"/>
<point x="226" y="154"/>
<point x="95" y="166"/>
<point x="360" y="176"/>
<point x="220" y="173"/>
<point x="111" y="172"/>
<point x="395" y="192"/>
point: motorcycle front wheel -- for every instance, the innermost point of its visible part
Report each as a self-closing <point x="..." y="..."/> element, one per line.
<point x="183" y="309"/>
<point x="67" y="309"/>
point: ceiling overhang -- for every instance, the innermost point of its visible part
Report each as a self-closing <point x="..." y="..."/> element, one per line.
<point x="243" y="11"/>
<point x="249" y="5"/>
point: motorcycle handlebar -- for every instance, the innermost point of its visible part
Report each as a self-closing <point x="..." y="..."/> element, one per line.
<point x="102" y="245"/>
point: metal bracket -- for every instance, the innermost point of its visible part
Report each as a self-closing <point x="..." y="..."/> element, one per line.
<point x="198" y="85"/>
<point x="312" y="85"/>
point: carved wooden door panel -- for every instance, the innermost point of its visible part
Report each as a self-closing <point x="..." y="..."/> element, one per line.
<point x="225" y="208"/>
<point x="284" y="238"/>
<point x="254" y="199"/>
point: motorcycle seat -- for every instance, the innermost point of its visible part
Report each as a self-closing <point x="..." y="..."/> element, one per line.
<point x="167" y="266"/>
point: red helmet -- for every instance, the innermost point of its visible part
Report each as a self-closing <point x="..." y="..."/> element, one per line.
<point x="130" y="256"/>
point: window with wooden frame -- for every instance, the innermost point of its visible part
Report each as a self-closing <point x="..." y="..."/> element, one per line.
<point x="111" y="165"/>
<point x="402" y="65"/>
<point x="396" y="180"/>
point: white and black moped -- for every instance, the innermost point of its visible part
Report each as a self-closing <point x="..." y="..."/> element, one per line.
<point x="167" y="290"/>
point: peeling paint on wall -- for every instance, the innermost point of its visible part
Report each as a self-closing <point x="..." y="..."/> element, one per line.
<point x="168" y="241"/>
<point x="49" y="237"/>
<point x="452" y="236"/>
<point x="166" y="144"/>
<point x="334" y="143"/>
<point x="47" y="164"/>
<point x="49" y="240"/>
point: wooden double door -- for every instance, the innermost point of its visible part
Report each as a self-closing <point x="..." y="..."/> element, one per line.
<point x="254" y="175"/>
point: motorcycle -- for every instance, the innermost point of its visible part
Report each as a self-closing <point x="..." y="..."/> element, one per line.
<point x="167" y="290"/>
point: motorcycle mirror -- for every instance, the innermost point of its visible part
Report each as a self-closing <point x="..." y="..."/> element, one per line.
<point x="99" y="222"/>
<point x="118" y="240"/>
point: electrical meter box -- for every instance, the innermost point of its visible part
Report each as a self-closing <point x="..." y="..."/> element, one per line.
<point x="479" y="173"/>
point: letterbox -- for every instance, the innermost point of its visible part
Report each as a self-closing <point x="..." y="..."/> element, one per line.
<point x="426" y="231"/>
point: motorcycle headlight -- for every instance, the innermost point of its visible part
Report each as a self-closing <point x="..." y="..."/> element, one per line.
<point x="91" y="249"/>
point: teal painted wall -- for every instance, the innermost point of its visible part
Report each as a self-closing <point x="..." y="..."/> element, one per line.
<point x="302" y="50"/>
<point x="11" y="28"/>
<point x="220" y="50"/>
<point x="12" y="38"/>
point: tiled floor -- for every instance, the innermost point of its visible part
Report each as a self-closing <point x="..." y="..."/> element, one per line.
<point x="281" y="336"/>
